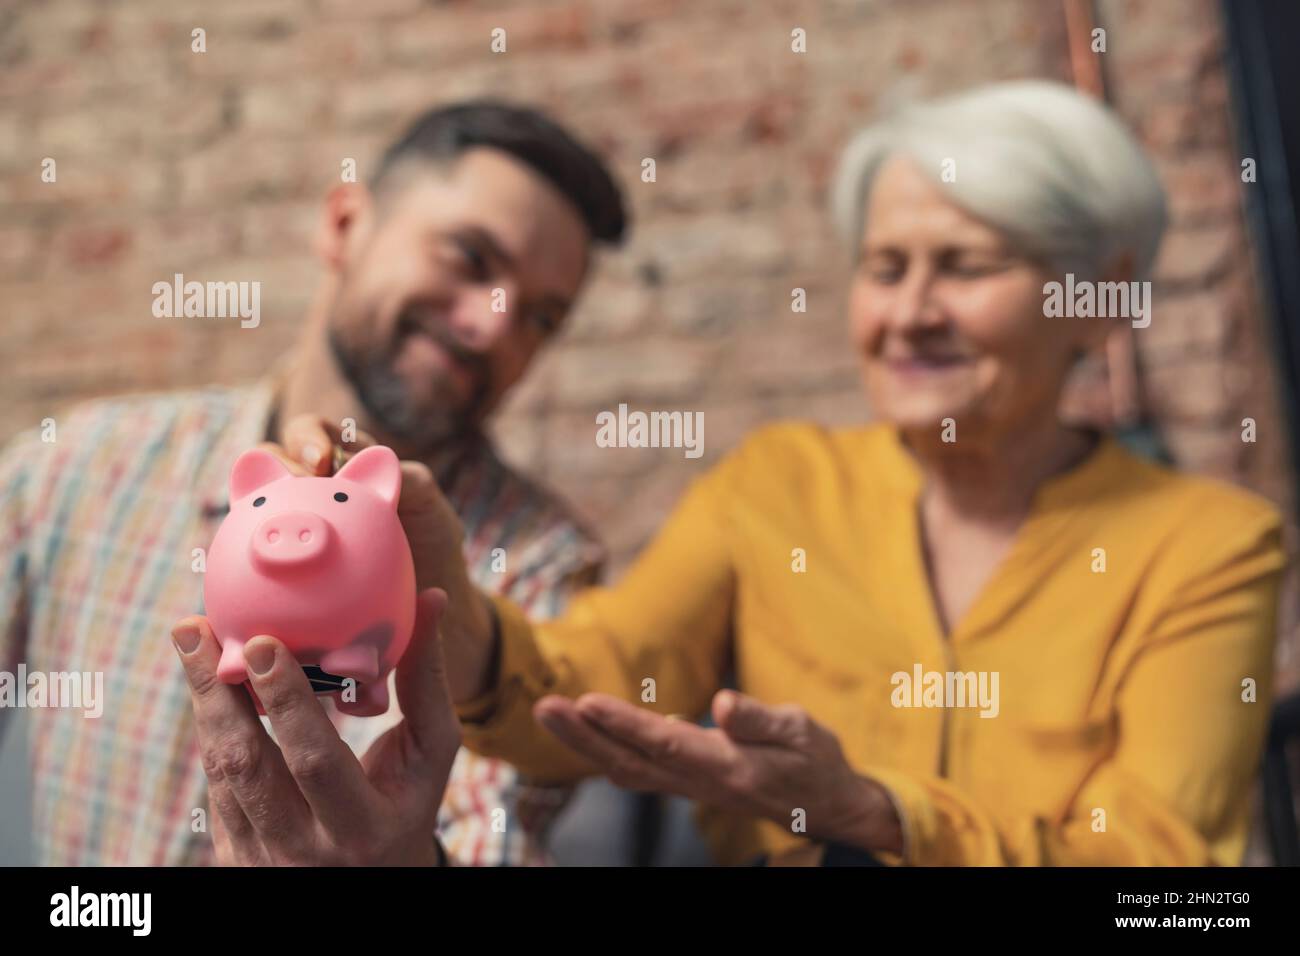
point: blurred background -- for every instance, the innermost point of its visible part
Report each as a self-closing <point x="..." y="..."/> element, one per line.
<point x="215" y="164"/>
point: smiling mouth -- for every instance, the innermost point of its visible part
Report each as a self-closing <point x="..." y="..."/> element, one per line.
<point x="468" y="375"/>
<point x="445" y="357"/>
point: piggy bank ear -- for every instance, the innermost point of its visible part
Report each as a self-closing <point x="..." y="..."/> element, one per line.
<point x="378" y="469"/>
<point x="252" y="470"/>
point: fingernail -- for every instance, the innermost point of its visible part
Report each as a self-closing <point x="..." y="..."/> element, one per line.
<point x="259" y="656"/>
<point x="311" y="455"/>
<point x="186" y="638"/>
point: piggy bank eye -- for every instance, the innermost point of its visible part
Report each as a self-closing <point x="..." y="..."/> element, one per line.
<point x="340" y="496"/>
<point x="258" y="502"/>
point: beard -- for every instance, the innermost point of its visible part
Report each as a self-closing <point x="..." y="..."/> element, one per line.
<point x="420" y="420"/>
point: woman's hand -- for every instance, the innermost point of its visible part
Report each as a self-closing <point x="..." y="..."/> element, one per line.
<point x="304" y="798"/>
<point x="434" y="532"/>
<point x="765" y="761"/>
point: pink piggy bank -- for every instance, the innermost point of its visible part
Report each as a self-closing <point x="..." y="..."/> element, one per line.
<point x="323" y="565"/>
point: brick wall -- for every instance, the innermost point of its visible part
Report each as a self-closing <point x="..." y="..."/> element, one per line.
<point x="213" y="164"/>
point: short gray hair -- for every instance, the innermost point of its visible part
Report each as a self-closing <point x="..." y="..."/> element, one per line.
<point x="1053" y="169"/>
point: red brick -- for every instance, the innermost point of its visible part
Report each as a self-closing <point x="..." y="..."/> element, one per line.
<point x="91" y="246"/>
<point x="1203" y="187"/>
<point x="1191" y="391"/>
<point x="1196" y="324"/>
<point x="1195" y="256"/>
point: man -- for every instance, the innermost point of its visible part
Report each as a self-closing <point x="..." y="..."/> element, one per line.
<point x="443" y="278"/>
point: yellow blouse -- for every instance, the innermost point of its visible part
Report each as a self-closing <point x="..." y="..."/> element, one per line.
<point x="1130" y="629"/>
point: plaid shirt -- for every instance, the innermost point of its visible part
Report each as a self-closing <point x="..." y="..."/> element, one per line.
<point x="97" y="535"/>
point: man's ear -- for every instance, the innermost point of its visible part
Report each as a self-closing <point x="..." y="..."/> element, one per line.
<point x="344" y="222"/>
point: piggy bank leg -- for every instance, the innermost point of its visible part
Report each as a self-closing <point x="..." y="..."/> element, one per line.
<point x="372" y="700"/>
<point x="358" y="661"/>
<point x="231" y="668"/>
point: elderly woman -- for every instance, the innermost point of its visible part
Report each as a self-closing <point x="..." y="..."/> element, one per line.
<point x="966" y="634"/>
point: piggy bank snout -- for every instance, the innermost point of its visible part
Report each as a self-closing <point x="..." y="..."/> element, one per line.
<point x="291" y="538"/>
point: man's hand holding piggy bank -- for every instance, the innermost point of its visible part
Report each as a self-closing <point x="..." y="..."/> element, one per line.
<point x="323" y="562"/>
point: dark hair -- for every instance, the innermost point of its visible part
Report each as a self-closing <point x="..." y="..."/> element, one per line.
<point x="443" y="133"/>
